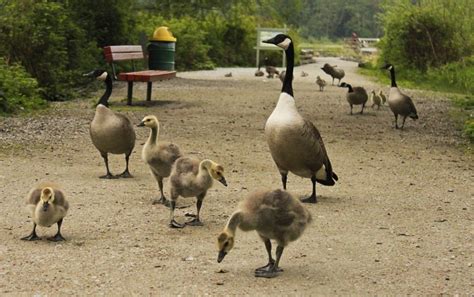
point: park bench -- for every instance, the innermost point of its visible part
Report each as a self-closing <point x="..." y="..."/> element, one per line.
<point x="116" y="53"/>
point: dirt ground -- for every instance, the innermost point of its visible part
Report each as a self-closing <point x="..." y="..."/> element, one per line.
<point x="398" y="222"/>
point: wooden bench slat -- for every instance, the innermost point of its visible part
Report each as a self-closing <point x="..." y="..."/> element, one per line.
<point x="122" y="48"/>
<point x="146" y="75"/>
<point x="124" y="56"/>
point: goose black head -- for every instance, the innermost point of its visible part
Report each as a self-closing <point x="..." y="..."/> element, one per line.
<point x="344" y="85"/>
<point x="387" y="66"/>
<point x="280" y="40"/>
<point x="99" y="74"/>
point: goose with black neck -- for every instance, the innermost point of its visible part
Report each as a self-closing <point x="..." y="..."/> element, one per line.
<point x="295" y="143"/>
<point x="111" y="133"/>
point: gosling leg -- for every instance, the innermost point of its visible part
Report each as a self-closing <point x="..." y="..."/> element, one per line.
<point x="162" y="199"/>
<point x="106" y="161"/>
<point x="271" y="261"/>
<point x="58" y="236"/>
<point x="32" y="235"/>
<point x="312" y="198"/>
<point x="284" y="178"/>
<point x="126" y="173"/>
<point x="196" y="221"/>
<point x="173" y="223"/>
<point x="351" y="109"/>
<point x="274" y="270"/>
<point x="362" y="110"/>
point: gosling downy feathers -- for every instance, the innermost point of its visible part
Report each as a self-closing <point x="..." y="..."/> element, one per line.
<point x="334" y="72"/>
<point x="355" y="96"/>
<point x="321" y="83"/>
<point x="192" y="178"/>
<point x="111" y="133"/>
<point x="274" y="215"/>
<point x="295" y="143"/>
<point x="47" y="206"/>
<point x="399" y="103"/>
<point x="375" y="99"/>
<point x="382" y="96"/>
<point x="159" y="155"/>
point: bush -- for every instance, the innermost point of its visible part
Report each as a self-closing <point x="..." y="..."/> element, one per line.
<point x="42" y="37"/>
<point x="18" y="90"/>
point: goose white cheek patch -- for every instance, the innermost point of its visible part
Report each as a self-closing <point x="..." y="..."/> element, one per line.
<point x="103" y="76"/>
<point x="390" y="67"/>
<point x="285" y="43"/>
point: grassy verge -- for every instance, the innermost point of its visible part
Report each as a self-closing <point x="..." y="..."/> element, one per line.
<point x="455" y="78"/>
<point x="325" y="47"/>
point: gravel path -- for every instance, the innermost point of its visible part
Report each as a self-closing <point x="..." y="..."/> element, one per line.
<point x="398" y="222"/>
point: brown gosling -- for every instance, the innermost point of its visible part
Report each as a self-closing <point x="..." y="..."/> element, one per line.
<point x="375" y="99"/>
<point x="274" y="215"/>
<point x="382" y="96"/>
<point x="321" y="83"/>
<point x="159" y="155"/>
<point x="47" y="205"/>
<point x="192" y="178"/>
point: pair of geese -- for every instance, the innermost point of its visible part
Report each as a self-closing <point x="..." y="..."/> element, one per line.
<point x="296" y="146"/>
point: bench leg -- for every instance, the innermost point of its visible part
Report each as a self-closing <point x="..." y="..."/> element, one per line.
<point x="148" y="90"/>
<point x="130" y="93"/>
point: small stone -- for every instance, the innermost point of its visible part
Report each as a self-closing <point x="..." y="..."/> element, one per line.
<point x="189" y="258"/>
<point x="450" y="190"/>
<point x="220" y="283"/>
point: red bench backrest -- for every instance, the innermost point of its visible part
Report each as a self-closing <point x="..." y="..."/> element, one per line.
<point x="123" y="52"/>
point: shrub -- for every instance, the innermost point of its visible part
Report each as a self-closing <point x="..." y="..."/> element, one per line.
<point x="20" y="90"/>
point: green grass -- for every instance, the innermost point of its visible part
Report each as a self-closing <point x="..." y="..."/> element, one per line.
<point x="325" y="47"/>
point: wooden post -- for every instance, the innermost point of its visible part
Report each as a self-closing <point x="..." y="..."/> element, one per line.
<point x="148" y="90"/>
<point x="130" y="92"/>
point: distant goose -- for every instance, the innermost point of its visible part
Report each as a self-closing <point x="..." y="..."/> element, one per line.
<point x="47" y="206"/>
<point x="271" y="70"/>
<point x="228" y="74"/>
<point x="158" y="155"/>
<point x="295" y="143"/>
<point x="399" y="103"/>
<point x="334" y="72"/>
<point x="355" y="96"/>
<point x="111" y="132"/>
<point x="274" y="215"/>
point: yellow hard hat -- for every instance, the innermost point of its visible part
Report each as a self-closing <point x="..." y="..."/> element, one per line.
<point x="163" y="34"/>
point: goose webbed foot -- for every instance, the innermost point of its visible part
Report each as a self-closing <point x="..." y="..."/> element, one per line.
<point x="268" y="267"/>
<point x="108" y="176"/>
<point x="194" y="222"/>
<point x="57" y="237"/>
<point x="31" y="237"/>
<point x="125" y="174"/>
<point x="162" y="200"/>
<point x="271" y="272"/>
<point x="310" y="199"/>
<point x="176" y="225"/>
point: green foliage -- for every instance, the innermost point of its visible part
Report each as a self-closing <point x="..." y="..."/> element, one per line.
<point x="429" y="34"/>
<point x="44" y="39"/>
<point x="18" y="90"/>
<point x="466" y="104"/>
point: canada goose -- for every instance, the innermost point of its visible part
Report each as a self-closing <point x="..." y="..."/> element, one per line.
<point x="281" y="76"/>
<point x="228" y="74"/>
<point x="304" y="74"/>
<point x="271" y="70"/>
<point x="382" y="96"/>
<point x="333" y="72"/>
<point x="399" y="103"/>
<point x="355" y="96"/>
<point x="375" y="99"/>
<point x="192" y="178"/>
<point x="295" y="143"/>
<point x="111" y="132"/>
<point x="321" y="83"/>
<point x="47" y="206"/>
<point x="160" y="156"/>
<point x="274" y="215"/>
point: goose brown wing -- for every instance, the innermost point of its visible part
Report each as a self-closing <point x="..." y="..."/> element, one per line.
<point x="410" y="103"/>
<point x="34" y="197"/>
<point x="60" y="200"/>
<point x="314" y="136"/>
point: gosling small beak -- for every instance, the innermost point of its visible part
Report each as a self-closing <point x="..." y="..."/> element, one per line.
<point x="221" y="256"/>
<point x="90" y="74"/>
<point x="45" y="206"/>
<point x="142" y="124"/>
<point x="223" y="181"/>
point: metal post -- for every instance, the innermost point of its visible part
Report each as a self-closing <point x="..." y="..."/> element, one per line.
<point x="130" y="92"/>
<point x="148" y="90"/>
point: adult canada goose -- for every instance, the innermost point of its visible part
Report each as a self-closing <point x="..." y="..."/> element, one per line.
<point x="334" y="72"/>
<point x="47" y="206"/>
<point x="375" y="99"/>
<point x="228" y="74"/>
<point x="321" y="83"/>
<point x="382" y="96"/>
<point x="295" y="143"/>
<point x="355" y="96"/>
<point x="399" y="103"/>
<point x="192" y="178"/>
<point x="111" y="132"/>
<point x="274" y="215"/>
<point x="160" y="156"/>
